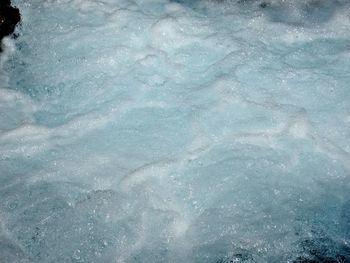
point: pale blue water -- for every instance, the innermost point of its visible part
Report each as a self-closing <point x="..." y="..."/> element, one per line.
<point x="176" y="131"/>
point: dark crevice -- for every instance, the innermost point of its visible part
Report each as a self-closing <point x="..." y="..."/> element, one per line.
<point x="9" y="18"/>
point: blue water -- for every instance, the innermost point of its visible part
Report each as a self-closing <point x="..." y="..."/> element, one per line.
<point x="176" y="131"/>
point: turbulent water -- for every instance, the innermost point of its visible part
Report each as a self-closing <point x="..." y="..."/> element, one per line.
<point x="176" y="131"/>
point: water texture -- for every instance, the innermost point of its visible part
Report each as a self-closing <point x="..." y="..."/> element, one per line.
<point x="176" y="131"/>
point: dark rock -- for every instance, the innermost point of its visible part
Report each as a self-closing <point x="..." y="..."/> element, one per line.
<point x="9" y="17"/>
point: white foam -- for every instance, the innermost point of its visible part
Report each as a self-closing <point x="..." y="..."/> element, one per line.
<point x="175" y="131"/>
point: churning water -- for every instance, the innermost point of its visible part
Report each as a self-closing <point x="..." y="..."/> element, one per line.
<point x="176" y="131"/>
